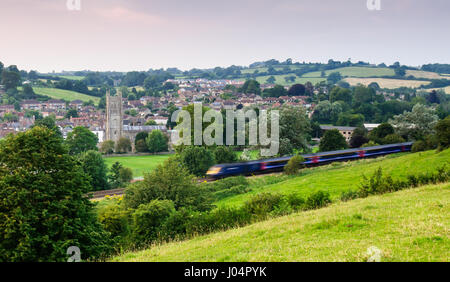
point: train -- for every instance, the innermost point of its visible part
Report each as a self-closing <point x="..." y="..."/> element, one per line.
<point x="277" y="164"/>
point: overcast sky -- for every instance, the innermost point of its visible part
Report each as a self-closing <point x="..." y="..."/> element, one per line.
<point x="126" y="35"/>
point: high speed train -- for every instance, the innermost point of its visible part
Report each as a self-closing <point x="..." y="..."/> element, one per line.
<point x="277" y="164"/>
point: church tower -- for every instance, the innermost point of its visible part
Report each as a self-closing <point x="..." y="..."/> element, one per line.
<point x="114" y="116"/>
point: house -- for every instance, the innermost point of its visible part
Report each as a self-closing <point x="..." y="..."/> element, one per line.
<point x="346" y="131"/>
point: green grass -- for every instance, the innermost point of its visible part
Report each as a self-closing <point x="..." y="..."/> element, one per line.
<point x="64" y="94"/>
<point x="342" y="176"/>
<point x="138" y="164"/>
<point x="72" y="77"/>
<point x="409" y="225"/>
<point x="356" y="72"/>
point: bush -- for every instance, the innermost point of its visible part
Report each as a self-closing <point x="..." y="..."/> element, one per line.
<point x="225" y="154"/>
<point x="226" y="183"/>
<point x="317" y="200"/>
<point x="295" y="201"/>
<point x="115" y="219"/>
<point x="393" y="139"/>
<point x="157" y="141"/>
<point x="349" y="195"/>
<point x="107" y="147"/>
<point x="148" y="220"/>
<point x="419" y="146"/>
<point x="197" y="159"/>
<point x="294" y="165"/>
<point x="262" y="204"/>
<point x="235" y="190"/>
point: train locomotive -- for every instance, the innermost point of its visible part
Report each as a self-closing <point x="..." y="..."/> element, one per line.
<point x="277" y="164"/>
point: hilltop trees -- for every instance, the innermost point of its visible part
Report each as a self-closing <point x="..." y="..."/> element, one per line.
<point x="44" y="208"/>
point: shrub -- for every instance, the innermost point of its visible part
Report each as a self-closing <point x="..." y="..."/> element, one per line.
<point x="419" y="146"/>
<point x="107" y="147"/>
<point x="224" y="154"/>
<point x="263" y="203"/>
<point x="148" y="220"/>
<point x="226" y="183"/>
<point x="157" y="141"/>
<point x="393" y="139"/>
<point x="197" y="159"/>
<point x="349" y="195"/>
<point x="295" y="201"/>
<point x="114" y="219"/>
<point x="317" y="200"/>
<point x="123" y="145"/>
<point x="235" y="190"/>
<point x="294" y="165"/>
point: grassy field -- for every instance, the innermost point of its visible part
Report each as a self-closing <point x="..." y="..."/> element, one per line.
<point x="425" y="74"/>
<point x="355" y="72"/>
<point x="339" y="177"/>
<point x="72" y="77"/>
<point x="446" y="89"/>
<point x="409" y="225"/>
<point x="64" y="94"/>
<point x="387" y="82"/>
<point x="138" y="164"/>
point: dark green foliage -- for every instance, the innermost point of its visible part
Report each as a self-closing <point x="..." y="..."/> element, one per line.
<point x="224" y="154"/>
<point x="157" y="142"/>
<point x="443" y="132"/>
<point x="94" y="166"/>
<point x="317" y="200"/>
<point x="141" y="146"/>
<point x="419" y="146"/>
<point x="392" y="139"/>
<point x="359" y="137"/>
<point x="81" y="140"/>
<point x="297" y="90"/>
<point x="262" y="204"/>
<point x="349" y="195"/>
<point x="119" y="176"/>
<point x="294" y="165"/>
<point x="44" y="209"/>
<point x="378" y="134"/>
<point x="107" y="147"/>
<point x="148" y="220"/>
<point x="197" y="159"/>
<point x="332" y="140"/>
<point x="169" y="181"/>
<point x="250" y="87"/>
<point x="123" y="145"/>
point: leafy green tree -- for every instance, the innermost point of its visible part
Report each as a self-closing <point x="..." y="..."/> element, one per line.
<point x="94" y="165"/>
<point x="123" y="145"/>
<point x="157" y="141"/>
<point x="44" y="209"/>
<point x="141" y="146"/>
<point x="168" y="181"/>
<point x="416" y="124"/>
<point x="119" y="176"/>
<point x="340" y="94"/>
<point x="107" y="147"/>
<point x="334" y="77"/>
<point x="224" y="154"/>
<point x="359" y="137"/>
<point x="271" y="79"/>
<point x="50" y="123"/>
<point x="197" y="159"/>
<point x="363" y="94"/>
<point x="10" y="79"/>
<point x="294" y="165"/>
<point x="71" y="113"/>
<point x="379" y="133"/>
<point x="443" y="132"/>
<point x="294" y="127"/>
<point x="332" y="140"/>
<point x="251" y="87"/>
<point x="81" y="139"/>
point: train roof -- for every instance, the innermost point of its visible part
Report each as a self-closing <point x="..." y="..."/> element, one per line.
<point x="320" y="154"/>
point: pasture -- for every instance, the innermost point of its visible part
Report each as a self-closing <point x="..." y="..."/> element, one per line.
<point x="66" y="95"/>
<point x="387" y="82"/>
<point x="138" y="164"/>
<point x="356" y="72"/>
<point x="409" y="225"/>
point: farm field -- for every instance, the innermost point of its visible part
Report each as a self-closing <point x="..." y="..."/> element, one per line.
<point x="64" y="94"/>
<point x="446" y="89"/>
<point x="342" y="176"/>
<point x="279" y="79"/>
<point x="356" y="72"/>
<point x="138" y="164"/>
<point x="72" y="77"/>
<point x="425" y="74"/>
<point x="387" y="82"/>
<point x="409" y="225"/>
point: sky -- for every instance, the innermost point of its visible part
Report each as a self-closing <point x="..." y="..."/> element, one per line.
<point x="126" y="35"/>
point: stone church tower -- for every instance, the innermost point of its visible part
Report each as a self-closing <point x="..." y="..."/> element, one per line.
<point x="114" y="116"/>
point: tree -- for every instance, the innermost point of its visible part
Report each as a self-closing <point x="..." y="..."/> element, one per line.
<point x="197" y="159"/>
<point x="71" y="113"/>
<point x="10" y="79"/>
<point x="359" y="137"/>
<point x="168" y="181"/>
<point x="332" y="140"/>
<point x="50" y="123"/>
<point x="415" y="124"/>
<point x="334" y="77"/>
<point x="44" y="209"/>
<point x="94" y="166"/>
<point x="443" y="132"/>
<point x="119" y="176"/>
<point x="224" y="154"/>
<point x="123" y="145"/>
<point x="276" y="91"/>
<point x="294" y="165"/>
<point x="107" y="147"/>
<point x="251" y="87"/>
<point x="362" y="94"/>
<point x="157" y="141"/>
<point x="294" y="127"/>
<point x="271" y="79"/>
<point x="379" y="133"/>
<point x="81" y="139"/>
<point x="341" y="94"/>
<point x="297" y="90"/>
